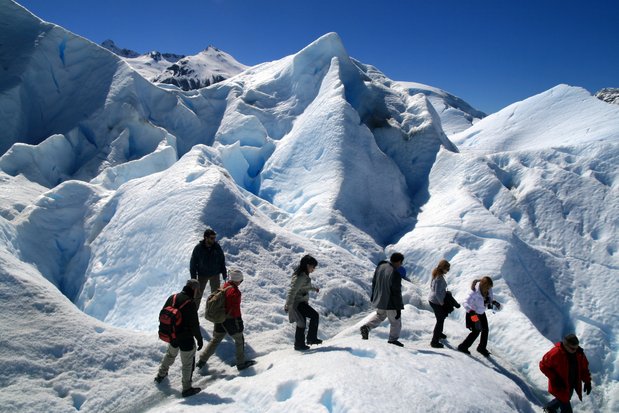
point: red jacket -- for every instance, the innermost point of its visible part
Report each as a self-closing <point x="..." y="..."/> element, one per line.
<point x="233" y="300"/>
<point x="555" y="364"/>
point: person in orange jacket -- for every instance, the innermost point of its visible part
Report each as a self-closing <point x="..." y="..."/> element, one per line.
<point x="566" y="367"/>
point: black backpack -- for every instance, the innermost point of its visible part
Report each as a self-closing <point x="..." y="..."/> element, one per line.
<point x="170" y="318"/>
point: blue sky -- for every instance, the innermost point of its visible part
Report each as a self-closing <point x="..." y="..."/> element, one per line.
<point x="490" y="53"/>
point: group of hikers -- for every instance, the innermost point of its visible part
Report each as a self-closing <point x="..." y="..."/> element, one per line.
<point x="565" y="365"/>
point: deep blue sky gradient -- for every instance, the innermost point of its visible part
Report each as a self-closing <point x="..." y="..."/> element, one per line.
<point x="491" y="53"/>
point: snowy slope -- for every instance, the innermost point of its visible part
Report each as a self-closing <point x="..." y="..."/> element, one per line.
<point x="561" y="116"/>
<point x="105" y="189"/>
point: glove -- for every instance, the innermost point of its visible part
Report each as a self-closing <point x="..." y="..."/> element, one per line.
<point x="496" y="304"/>
<point x="587" y="388"/>
<point x="398" y="314"/>
<point x="200" y="344"/>
<point x="224" y="275"/>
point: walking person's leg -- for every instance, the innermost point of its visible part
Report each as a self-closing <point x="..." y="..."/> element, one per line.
<point x="395" y="326"/>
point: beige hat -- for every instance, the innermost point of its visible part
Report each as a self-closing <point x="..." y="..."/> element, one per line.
<point x="235" y="275"/>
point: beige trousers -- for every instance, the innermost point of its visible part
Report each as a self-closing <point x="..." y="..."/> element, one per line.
<point x="239" y="342"/>
<point x="187" y="364"/>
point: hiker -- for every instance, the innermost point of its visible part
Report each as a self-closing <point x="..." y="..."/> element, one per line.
<point x="188" y="330"/>
<point x="297" y="304"/>
<point x="475" y="305"/>
<point x="440" y="302"/>
<point x="207" y="262"/>
<point x="233" y="325"/>
<point x="387" y="298"/>
<point x="566" y="367"/>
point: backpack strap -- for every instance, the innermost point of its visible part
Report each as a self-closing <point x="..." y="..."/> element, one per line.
<point x="180" y="306"/>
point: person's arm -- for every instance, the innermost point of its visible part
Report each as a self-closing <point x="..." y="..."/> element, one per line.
<point x="193" y="264"/>
<point x="295" y="285"/>
<point x="440" y="290"/>
<point x="223" y="269"/>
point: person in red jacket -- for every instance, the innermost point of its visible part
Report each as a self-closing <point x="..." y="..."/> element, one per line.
<point x="566" y="367"/>
<point x="233" y="325"/>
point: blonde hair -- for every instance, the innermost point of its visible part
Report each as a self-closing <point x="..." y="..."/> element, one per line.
<point x="485" y="284"/>
<point x="441" y="269"/>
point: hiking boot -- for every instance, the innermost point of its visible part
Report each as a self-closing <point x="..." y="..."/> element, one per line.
<point x="245" y="364"/>
<point x="200" y="364"/>
<point x="365" y="332"/>
<point x="159" y="378"/>
<point x="463" y="350"/>
<point x="443" y="336"/>
<point x="314" y="341"/>
<point x="191" y="391"/>
<point x="301" y="347"/>
<point x="396" y="343"/>
<point x="550" y="410"/>
<point x="483" y="352"/>
<point x="436" y="345"/>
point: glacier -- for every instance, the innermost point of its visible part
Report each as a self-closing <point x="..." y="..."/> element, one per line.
<point x="107" y="181"/>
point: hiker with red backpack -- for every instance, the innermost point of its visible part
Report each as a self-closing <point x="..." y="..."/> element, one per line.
<point x="179" y="327"/>
<point x="232" y="324"/>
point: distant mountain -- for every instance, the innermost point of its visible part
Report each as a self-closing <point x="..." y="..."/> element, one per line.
<point x="126" y="53"/>
<point x="609" y="94"/>
<point x="208" y="67"/>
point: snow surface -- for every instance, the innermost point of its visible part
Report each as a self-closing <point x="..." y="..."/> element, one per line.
<point x="107" y="182"/>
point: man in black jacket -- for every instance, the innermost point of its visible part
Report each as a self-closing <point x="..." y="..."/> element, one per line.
<point x="207" y="262"/>
<point x="185" y="334"/>
<point x="387" y="298"/>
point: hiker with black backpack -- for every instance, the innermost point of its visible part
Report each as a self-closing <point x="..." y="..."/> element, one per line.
<point x="232" y="323"/>
<point x="297" y="304"/>
<point x="179" y="327"/>
<point x="207" y="262"/>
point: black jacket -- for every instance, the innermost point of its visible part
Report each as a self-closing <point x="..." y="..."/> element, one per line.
<point x="450" y="303"/>
<point x="207" y="261"/>
<point x="190" y="327"/>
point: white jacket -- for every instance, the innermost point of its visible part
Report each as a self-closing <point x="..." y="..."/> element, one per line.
<point x="475" y="301"/>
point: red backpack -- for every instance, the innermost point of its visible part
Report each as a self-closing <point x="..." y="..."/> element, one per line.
<point x="170" y="318"/>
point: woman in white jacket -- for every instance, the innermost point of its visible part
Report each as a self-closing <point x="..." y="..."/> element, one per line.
<point x="475" y="305"/>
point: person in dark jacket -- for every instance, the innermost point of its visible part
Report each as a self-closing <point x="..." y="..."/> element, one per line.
<point x="438" y="301"/>
<point x="566" y="367"/>
<point x="387" y="298"/>
<point x="188" y="330"/>
<point x="232" y="325"/>
<point x="207" y="262"/>
<point x="297" y="304"/>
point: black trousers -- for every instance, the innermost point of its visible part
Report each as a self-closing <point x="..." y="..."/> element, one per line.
<point x="441" y="314"/>
<point x="308" y="312"/>
<point x="483" y="341"/>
